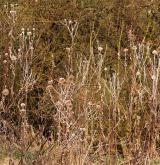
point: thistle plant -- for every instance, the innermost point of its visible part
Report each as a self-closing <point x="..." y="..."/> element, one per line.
<point x="103" y="108"/>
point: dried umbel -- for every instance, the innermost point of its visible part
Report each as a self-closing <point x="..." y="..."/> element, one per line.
<point x="5" y="92"/>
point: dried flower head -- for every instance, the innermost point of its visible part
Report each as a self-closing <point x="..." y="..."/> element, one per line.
<point x="153" y="77"/>
<point x="13" y="58"/>
<point x="105" y="69"/>
<point x="23" y="111"/>
<point x="100" y="49"/>
<point x="90" y="103"/>
<point x="50" y="85"/>
<point x="149" y="12"/>
<point x="6" y="54"/>
<point x="31" y="48"/>
<point x="155" y="52"/>
<point x="68" y="49"/>
<point x="98" y="107"/>
<point x="4" y="61"/>
<point x="13" y="12"/>
<point x="29" y="33"/>
<point x="5" y="92"/>
<point x="50" y="82"/>
<point x="68" y="103"/>
<point x="82" y="129"/>
<point x="138" y="73"/>
<point x="12" y="5"/>
<point x="125" y="50"/>
<point x="134" y="47"/>
<point x="23" y="105"/>
<point x="61" y="81"/>
<point x="131" y="35"/>
<point x="70" y="22"/>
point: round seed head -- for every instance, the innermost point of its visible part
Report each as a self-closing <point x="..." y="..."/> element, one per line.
<point x="68" y="49"/>
<point x="134" y="47"/>
<point x="29" y="33"/>
<point x="13" y="58"/>
<point x="4" y="61"/>
<point x="125" y="50"/>
<point x="6" y="54"/>
<point x="61" y="81"/>
<point x="50" y="82"/>
<point x="5" y="92"/>
<point x="100" y="48"/>
<point x="23" y="105"/>
<point x="155" y="52"/>
<point x="68" y="103"/>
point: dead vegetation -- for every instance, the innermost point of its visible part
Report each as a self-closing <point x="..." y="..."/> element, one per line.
<point x="79" y="87"/>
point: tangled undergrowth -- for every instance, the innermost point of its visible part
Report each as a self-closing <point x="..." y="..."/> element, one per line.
<point x="74" y="94"/>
